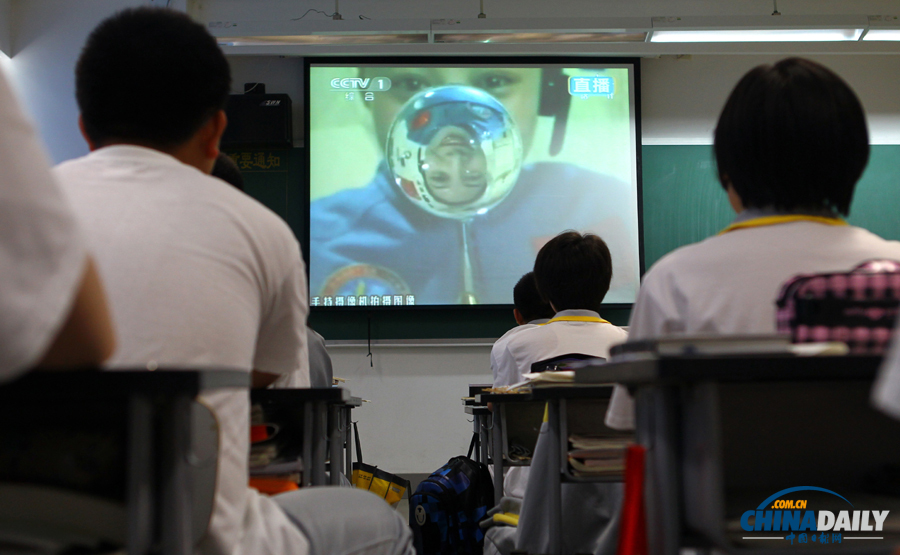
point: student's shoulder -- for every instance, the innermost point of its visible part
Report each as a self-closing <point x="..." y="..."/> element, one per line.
<point x="686" y="256"/>
<point x="527" y="339"/>
<point x="68" y="171"/>
<point x="237" y="210"/>
<point x="873" y="241"/>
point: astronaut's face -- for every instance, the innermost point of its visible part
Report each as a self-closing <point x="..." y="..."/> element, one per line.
<point x="455" y="168"/>
<point x="519" y="89"/>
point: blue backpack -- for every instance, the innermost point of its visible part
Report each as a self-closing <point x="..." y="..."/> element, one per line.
<point x="446" y="507"/>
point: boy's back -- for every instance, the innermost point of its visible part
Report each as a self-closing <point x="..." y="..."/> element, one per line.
<point x="229" y="270"/>
<point x="728" y="284"/>
<point x="198" y="274"/>
<point x="588" y="334"/>
<point x="791" y="143"/>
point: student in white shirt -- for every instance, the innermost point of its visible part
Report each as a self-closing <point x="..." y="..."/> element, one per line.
<point x="886" y="393"/>
<point x="53" y="311"/>
<point x="572" y="272"/>
<point x="790" y="145"/>
<point x="198" y="273"/>
<point x="530" y="310"/>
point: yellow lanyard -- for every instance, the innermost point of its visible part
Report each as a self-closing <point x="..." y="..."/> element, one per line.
<point x="575" y="319"/>
<point x="775" y="220"/>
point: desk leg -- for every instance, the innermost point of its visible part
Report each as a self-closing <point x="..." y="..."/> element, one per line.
<point x="308" y="439"/>
<point x="140" y="475"/>
<point x="320" y="438"/>
<point x="484" y="422"/>
<point x="348" y="444"/>
<point x="497" y="445"/>
<point x="334" y="448"/>
<point x="657" y="424"/>
<point x="175" y="509"/>
<point x="476" y="424"/>
<point x="554" y="503"/>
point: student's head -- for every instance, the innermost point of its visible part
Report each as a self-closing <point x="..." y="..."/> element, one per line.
<point x="151" y="77"/>
<point x="519" y="89"/>
<point x="573" y="271"/>
<point x="227" y="170"/>
<point x="528" y="301"/>
<point x="792" y="136"/>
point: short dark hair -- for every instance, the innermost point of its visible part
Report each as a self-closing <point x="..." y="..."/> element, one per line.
<point x="227" y="170"/>
<point x="792" y="136"/>
<point x="573" y="271"/>
<point x="528" y="300"/>
<point x="151" y="76"/>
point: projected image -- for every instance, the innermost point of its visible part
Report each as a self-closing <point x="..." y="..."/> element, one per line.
<point x="438" y="185"/>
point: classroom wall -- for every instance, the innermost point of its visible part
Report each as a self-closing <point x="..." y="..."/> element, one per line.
<point x="242" y="10"/>
<point x="47" y="38"/>
<point x="5" y="28"/>
<point x="682" y="97"/>
<point x="415" y="420"/>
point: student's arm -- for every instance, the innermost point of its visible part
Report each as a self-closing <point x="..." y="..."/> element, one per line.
<point x="505" y="367"/>
<point x="262" y="380"/>
<point x="86" y="337"/>
<point x="281" y="341"/>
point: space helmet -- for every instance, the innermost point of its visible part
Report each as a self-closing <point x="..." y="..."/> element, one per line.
<point x="454" y="151"/>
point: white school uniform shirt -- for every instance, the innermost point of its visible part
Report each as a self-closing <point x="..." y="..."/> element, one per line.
<point x="886" y="392"/>
<point x="503" y="373"/>
<point x="541" y="342"/>
<point x="728" y="283"/>
<point x="42" y="252"/>
<point x="199" y="274"/>
<point x="557" y="337"/>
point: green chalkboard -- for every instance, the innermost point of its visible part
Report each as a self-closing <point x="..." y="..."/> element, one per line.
<point x="274" y="177"/>
<point x="682" y="203"/>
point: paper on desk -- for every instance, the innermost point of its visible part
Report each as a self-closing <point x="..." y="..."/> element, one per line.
<point x="559" y="376"/>
<point x="829" y="348"/>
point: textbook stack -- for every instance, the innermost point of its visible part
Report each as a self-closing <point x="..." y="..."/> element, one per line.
<point x="596" y="456"/>
<point x="270" y="471"/>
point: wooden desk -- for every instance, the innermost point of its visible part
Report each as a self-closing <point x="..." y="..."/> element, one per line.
<point x="526" y="425"/>
<point x="157" y="427"/>
<point x="722" y="431"/>
<point x="310" y="414"/>
<point x="570" y="410"/>
<point x="482" y="421"/>
<point x="341" y="439"/>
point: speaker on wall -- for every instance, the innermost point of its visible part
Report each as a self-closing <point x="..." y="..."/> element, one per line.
<point x="258" y="120"/>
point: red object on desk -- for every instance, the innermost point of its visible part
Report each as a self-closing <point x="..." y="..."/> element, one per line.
<point x="259" y="433"/>
<point x="633" y="532"/>
<point x="272" y="486"/>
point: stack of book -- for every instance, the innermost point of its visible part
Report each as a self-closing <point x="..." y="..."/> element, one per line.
<point x="597" y="456"/>
<point x="270" y="471"/>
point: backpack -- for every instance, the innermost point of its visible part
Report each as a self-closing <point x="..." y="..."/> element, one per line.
<point x="446" y="508"/>
<point x="856" y="307"/>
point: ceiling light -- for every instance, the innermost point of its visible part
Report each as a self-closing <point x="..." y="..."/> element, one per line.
<point x="535" y="37"/>
<point x="780" y="28"/>
<point x="882" y="34"/>
<point x="758" y="35"/>
<point x="325" y="39"/>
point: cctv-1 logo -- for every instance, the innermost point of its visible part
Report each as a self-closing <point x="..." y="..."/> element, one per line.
<point x="378" y="84"/>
